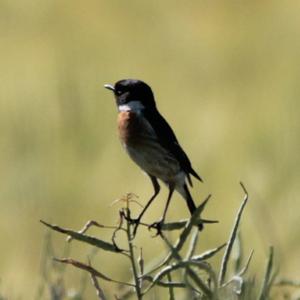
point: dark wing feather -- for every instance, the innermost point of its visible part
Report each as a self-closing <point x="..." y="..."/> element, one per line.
<point x="169" y="141"/>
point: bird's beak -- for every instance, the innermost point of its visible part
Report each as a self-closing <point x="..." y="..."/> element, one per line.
<point x="109" y="87"/>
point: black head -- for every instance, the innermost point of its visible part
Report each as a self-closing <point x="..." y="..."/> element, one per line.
<point x="132" y="90"/>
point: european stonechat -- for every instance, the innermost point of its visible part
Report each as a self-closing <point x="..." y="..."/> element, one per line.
<point x="151" y="143"/>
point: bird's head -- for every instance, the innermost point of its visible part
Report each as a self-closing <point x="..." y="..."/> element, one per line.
<point x="132" y="95"/>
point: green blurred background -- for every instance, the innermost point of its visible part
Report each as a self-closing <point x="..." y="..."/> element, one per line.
<point x="226" y="77"/>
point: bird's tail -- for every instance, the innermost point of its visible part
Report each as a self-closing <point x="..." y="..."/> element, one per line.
<point x="185" y="193"/>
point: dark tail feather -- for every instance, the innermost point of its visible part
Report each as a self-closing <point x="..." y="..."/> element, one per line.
<point x="191" y="203"/>
<point x="189" y="200"/>
<point x="193" y="172"/>
<point x="188" y="176"/>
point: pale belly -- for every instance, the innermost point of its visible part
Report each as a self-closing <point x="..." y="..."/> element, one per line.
<point x="156" y="161"/>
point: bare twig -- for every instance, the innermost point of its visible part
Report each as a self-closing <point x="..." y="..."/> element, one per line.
<point x="89" y="224"/>
<point x="128" y="198"/>
<point x="89" y="269"/>
<point x="241" y="272"/>
<point x="232" y="238"/>
<point x="179" y="224"/>
<point x="244" y="270"/>
<point x="189" y="225"/>
<point x="198" y="277"/>
<point x="141" y="262"/>
<point x="184" y="235"/>
<point x="99" y="291"/>
<point x="165" y="284"/>
<point x="137" y="285"/>
<point x="266" y="281"/>
<point x="171" y="288"/>
<point x="237" y="255"/>
<point x="85" y="238"/>
<point x="199" y="282"/>
<point x="193" y="244"/>
<point x="208" y="254"/>
<point x="179" y="265"/>
<point x="182" y="223"/>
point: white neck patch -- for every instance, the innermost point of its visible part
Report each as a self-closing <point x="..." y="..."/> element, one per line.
<point x="134" y="106"/>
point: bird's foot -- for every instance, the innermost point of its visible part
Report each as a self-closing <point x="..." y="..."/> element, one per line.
<point x="157" y="226"/>
<point x="135" y="223"/>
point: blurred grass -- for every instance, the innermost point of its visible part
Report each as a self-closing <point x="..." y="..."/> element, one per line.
<point x="225" y="75"/>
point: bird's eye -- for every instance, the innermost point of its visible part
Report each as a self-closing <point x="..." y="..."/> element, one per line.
<point x="118" y="92"/>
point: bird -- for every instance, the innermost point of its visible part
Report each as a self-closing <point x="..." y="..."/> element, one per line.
<point x="152" y="144"/>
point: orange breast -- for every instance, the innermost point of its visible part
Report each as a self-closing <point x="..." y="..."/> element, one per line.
<point x="128" y="126"/>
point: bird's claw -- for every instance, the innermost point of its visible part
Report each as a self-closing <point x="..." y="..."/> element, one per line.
<point x="135" y="223"/>
<point x="200" y="226"/>
<point x="157" y="226"/>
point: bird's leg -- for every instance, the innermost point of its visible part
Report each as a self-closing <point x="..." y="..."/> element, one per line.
<point x="136" y="221"/>
<point x="157" y="225"/>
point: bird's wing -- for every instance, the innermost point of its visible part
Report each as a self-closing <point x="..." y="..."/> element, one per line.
<point x="169" y="141"/>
